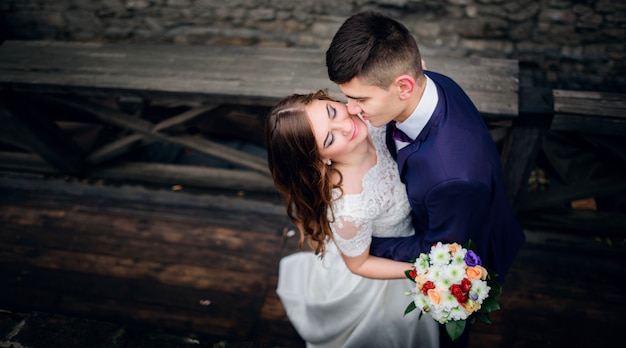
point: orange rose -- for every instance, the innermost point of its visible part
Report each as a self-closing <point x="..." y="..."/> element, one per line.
<point x="471" y="306"/>
<point x="434" y="296"/>
<point x="452" y="247"/>
<point x="420" y="280"/>
<point x="476" y="272"/>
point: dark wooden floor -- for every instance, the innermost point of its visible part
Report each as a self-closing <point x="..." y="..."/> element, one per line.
<point x="204" y="265"/>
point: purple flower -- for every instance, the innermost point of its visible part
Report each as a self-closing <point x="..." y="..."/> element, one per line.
<point x="471" y="259"/>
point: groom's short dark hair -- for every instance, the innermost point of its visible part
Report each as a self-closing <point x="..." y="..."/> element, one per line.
<point x="374" y="47"/>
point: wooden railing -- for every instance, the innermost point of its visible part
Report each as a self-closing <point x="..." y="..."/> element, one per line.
<point x="46" y="82"/>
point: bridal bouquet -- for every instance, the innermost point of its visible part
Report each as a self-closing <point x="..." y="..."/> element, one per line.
<point x="452" y="286"/>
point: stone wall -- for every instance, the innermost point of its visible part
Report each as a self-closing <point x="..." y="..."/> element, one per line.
<point x="560" y="43"/>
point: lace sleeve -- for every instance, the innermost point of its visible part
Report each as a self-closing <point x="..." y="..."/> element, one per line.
<point x="351" y="237"/>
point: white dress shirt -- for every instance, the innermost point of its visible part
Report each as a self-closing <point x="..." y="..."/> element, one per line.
<point x="413" y="125"/>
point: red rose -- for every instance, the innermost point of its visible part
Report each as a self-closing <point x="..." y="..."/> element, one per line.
<point x="466" y="285"/>
<point x="427" y="286"/>
<point x="413" y="273"/>
<point x="456" y="291"/>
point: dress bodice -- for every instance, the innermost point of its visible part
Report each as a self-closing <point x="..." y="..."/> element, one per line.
<point x="381" y="209"/>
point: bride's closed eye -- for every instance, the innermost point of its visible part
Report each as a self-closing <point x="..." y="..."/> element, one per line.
<point x="332" y="113"/>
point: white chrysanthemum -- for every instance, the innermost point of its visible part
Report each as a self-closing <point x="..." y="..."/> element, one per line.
<point x="455" y="273"/>
<point x="443" y="282"/>
<point x="435" y="272"/>
<point x="481" y="289"/>
<point x="422" y="264"/>
<point x="422" y="302"/>
<point x="439" y="314"/>
<point x="440" y="254"/>
<point x="448" y="302"/>
<point x="458" y="257"/>
<point x="457" y="313"/>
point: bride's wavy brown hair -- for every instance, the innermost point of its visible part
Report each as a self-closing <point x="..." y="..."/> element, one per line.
<point x="297" y="168"/>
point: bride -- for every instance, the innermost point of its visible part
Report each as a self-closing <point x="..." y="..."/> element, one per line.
<point x="342" y="188"/>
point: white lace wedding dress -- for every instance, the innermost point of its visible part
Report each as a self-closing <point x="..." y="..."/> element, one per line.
<point x="331" y="307"/>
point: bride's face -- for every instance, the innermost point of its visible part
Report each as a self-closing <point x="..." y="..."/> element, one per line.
<point x="336" y="132"/>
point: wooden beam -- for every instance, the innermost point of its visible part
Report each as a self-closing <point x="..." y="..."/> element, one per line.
<point x="114" y="149"/>
<point x="591" y="124"/>
<point x="176" y="174"/>
<point x="32" y="128"/>
<point x="223" y="74"/>
<point x="231" y="209"/>
<point x="601" y="104"/>
<point x="22" y="161"/>
<point x="145" y="128"/>
<point x="555" y="197"/>
<point x="599" y="223"/>
<point x="121" y="146"/>
<point x="524" y="141"/>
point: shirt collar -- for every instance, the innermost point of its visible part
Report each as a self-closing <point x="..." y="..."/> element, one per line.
<point x="413" y="125"/>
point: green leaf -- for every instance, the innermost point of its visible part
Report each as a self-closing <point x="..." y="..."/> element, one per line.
<point x="489" y="305"/>
<point x="496" y="288"/>
<point x="455" y="328"/>
<point x="483" y="317"/>
<point x="410" y="308"/>
<point x="406" y="273"/>
<point x="471" y="246"/>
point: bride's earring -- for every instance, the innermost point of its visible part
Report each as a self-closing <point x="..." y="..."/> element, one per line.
<point x="329" y="162"/>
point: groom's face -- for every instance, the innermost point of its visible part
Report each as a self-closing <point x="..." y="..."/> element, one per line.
<point x="374" y="104"/>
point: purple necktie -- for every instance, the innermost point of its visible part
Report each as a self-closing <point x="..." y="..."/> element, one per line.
<point x="399" y="135"/>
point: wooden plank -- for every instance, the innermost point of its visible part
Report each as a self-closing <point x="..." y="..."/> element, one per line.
<point x="542" y="275"/>
<point x="572" y="220"/>
<point x="264" y="214"/>
<point x="117" y="236"/>
<point x="601" y="104"/>
<point x="559" y="195"/>
<point x="192" y="302"/>
<point x="143" y="269"/>
<point x="589" y="124"/>
<point x="128" y="267"/>
<point x="187" y="175"/>
<point x="132" y="313"/>
<point x="165" y="174"/>
<point x="80" y="258"/>
<point x="28" y="162"/>
<point x="138" y="270"/>
<point x="236" y="74"/>
<point x="549" y="273"/>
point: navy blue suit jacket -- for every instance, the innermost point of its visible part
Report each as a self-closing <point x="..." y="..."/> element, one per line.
<point x="455" y="186"/>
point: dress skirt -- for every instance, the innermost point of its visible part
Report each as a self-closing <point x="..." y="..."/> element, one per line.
<point x="329" y="306"/>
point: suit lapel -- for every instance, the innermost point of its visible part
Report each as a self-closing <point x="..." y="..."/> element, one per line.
<point x="404" y="153"/>
<point x="391" y="144"/>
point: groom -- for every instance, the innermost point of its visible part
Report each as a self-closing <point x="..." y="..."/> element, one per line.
<point x="445" y="154"/>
